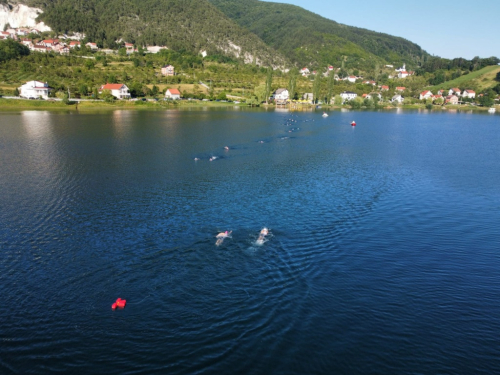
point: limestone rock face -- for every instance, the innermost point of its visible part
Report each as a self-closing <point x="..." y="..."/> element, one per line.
<point x="21" y="16"/>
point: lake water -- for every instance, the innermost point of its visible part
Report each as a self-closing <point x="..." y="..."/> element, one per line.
<point x="383" y="255"/>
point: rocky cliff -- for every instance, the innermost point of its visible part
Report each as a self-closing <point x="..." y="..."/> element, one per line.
<point x="20" y="15"/>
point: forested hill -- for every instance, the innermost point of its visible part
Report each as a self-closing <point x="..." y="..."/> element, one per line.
<point x="306" y="37"/>
<point x="192" y="25"/>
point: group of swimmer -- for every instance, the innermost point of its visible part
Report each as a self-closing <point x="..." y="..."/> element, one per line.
<point x="223" y="235"/>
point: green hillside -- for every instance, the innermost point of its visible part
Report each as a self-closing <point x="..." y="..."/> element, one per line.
<point x="306" y="37"/>
<point x="182" y="25"/>
<point x="479" y="80"/>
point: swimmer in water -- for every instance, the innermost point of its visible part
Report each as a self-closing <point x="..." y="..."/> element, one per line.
<point x="262" y="235"/>
<point x="221" y="237"/>
<point x="226" y="148"/>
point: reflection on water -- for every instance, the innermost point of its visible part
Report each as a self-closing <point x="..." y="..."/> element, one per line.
<point x="382" y="248"/>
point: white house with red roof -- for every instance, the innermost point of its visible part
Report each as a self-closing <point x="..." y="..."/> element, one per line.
<point x="373" y="83"/>
<point x="49" y="42"/>
<point x="351" y="79"/>
<point x="384" y="88"/>
<point x="305" y="72"/>
<point x="403" y="74"/>
<point x="469" y="94"/>
<point x="168" y="70"/>
<point x="400" y="88"/>
<point x="74" y="44"/>
<point x="41" y="48"/>
<point x="92" y="46"/>
<point x="455" y="91"/>
<point x="425" y="95"/>
<point x="4" y="35"/>
<point x="173" y="94"/>
<point x="442" y="91"/>
<point x="435" y="97"/>
<point x="451" y="99"/>
<point x="35" y="89"/>
<point x="118" y="90"/>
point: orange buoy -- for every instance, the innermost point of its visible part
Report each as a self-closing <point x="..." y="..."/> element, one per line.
<point x="113" y="306"/>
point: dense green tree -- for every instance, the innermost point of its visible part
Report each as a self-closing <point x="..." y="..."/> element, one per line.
<point x="316" y="87"/>
<point x="10" y="49"/>
<point x="269" y="83"/>
<point x="292" y="82"/>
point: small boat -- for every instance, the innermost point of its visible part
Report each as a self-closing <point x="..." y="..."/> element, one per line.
<point x="353" y="123"/>
<point x="491" y="110"/>
<point x="325" y="114"/>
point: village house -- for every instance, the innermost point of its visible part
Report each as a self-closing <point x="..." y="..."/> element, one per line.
<point x="373" y="83"/>
<point x="384" y="88"/>
<point x="455" y="91"/>
<point x="351" y="79"/>
<point x="403" y="74"/>
<point x="41" y="48"/>
<point x="451" y="99"/>
<point x="4" y="35"/>
<point x="305" y="72"/>
<point x="168" y="70"/>
<point x="348" y="95"/>
<point x="49" y="42"/>
<point x="402" y="69"/>
<point x="400" y="88"/>
<point x="34" y="89"/>
<point x="397" y="99"/>
<point x="435" y="97"/>
<point x="74" y="44"/>
<point x="442" y="92"/>
<point x="118" y="90"/>
<point x="425" y="95"/>
<point x="469" y="94"/>
<point x="92" y="46"/>
<point x="280" y="96"/>
<point x="173" y="94"/>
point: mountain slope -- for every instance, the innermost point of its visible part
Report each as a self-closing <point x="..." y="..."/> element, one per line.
<point x="192" y="25"/>
<point x="304" y="36"/>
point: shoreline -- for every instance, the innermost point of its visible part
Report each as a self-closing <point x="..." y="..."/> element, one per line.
<point x="24" y="104"/>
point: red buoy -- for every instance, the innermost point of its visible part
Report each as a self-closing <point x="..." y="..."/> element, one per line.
<point x="119" y="303"/>
<point x="353" y="123"/>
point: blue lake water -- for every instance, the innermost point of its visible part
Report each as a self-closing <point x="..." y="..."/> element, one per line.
<point x="383" y="255"/>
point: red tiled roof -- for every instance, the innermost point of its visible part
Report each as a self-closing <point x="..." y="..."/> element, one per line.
<point x="112" y="86"/>
<point x="174" y="91"/>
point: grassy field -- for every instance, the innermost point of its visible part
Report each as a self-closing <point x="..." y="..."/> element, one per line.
<point x="479" y="80"/>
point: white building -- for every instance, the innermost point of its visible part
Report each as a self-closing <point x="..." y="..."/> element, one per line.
<point x="281" y="95"/>
<point x="173" y="94"/>
<point x="469" y="94"/>
<point x="425" y="95"/>
<point x="168" y="70"/>
<point x="118" y="90"/>
<point x="397" y="98"/>
<point x="403" y="74"/>
<point x="35" y="89"/>
<point x="348" y="95"/>
<point x="305" y="72"/>
<point x="351" y="79"/>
